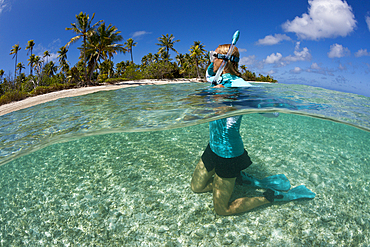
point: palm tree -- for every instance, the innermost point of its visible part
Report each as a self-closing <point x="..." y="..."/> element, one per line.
<point x="180" y="59"/>
<point x="243" y="68"/>
<point x="1" y="75"/>
<point x="84" y="30"/>
<point x="144" y="60"/>
<point x="46" y="54"/>
<point x="149" y="57"/>
<point x="103" y="45"/>
<point x="164" y="56"/>
<point x="196" y="52"/>
<point x="121" y="67"/>
<point x="107" y="67"/>
<point x="36" y="63"/>
<point x="20" y="66"/>
<point x="50" y="68"/>
<point x="15" y="50"/>
<point x="31" y="60"/>
<point x="155" y="58"/>
<point x="166" y="43"/>
<point x="63" y="63"/>
<point x="129" y="44"/>
<point x="29" y="47"/>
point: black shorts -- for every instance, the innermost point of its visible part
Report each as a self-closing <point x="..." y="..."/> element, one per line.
<point x="225" y="167"/>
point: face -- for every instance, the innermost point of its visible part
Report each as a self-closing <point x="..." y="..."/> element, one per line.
<point x="217" y="62"/>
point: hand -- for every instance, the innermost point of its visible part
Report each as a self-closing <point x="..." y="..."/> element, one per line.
<point x="219" y="86"/>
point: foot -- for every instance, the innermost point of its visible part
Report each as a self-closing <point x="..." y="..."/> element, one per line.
<point x="299" y="192"/>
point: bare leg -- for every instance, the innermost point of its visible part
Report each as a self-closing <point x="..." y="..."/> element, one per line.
<point x="222" y="190"/>
<point x="202" y="179"/>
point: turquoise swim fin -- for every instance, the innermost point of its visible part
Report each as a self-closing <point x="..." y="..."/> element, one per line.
<point x="299" y="192"/>
<point x="276" y="182"/>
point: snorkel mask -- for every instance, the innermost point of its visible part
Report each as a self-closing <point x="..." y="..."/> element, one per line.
<point x="213" y="55"/>
<point x="224" y="57"/>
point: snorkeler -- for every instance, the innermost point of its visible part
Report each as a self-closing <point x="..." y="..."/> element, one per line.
<point x="224" y="158"/>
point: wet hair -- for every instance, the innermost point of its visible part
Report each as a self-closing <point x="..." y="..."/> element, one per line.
<point x="231" y="67"/>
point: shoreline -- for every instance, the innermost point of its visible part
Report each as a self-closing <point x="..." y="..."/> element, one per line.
<point x="43" y="98"/>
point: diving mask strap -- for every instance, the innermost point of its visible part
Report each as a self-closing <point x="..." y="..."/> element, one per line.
<point x="224" y="57"/>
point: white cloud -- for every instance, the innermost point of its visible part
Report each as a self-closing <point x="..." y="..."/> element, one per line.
<point x="342" y="67"/>
<point x="368" y="21"/>
<point x="251" y="61"/>
<point x="248" y="60"/>
<point x="52" y="48"/>
<point x="4" y="6"/>
<point x="39" y="48"/>
<point x="139" y="33"/>
<point x="338" y="51"/>
<point x="53" y="57"/>
<point x="361" y="53"/>
<point x="325" y="19"/>
<point x="277" y="58"/>
<point x="272" y="40"/>
<point x="296" y="70"/>
<point x="55" y="45"/>
<point x="242" y="50"/>
<point x="315" y="66"/>
<point x="273" y="58"/>
<point x="303" y="55"/>
<point x="299" y="55"/>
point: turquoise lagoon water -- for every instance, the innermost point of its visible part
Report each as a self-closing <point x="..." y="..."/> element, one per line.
<point x="113" y="168"/>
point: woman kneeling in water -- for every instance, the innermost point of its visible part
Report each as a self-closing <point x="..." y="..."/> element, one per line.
<point x="225" y="157"/>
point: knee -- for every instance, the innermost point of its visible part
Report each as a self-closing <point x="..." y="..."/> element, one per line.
<point x="221" y="208"/>
<point x="195" y="185"/>
<point x="221" y="211"/>
<point x="195" y="188"/>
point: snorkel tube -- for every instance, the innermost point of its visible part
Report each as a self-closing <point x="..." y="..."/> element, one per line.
<point x="228" y="55"/>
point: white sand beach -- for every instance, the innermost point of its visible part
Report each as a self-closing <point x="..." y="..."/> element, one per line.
<point x="32" y="101"/>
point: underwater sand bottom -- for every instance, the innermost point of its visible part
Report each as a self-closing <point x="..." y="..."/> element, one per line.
<point x="132" y="189"/>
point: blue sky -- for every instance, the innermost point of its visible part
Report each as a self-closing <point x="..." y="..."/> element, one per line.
<point x="322" y="43"/>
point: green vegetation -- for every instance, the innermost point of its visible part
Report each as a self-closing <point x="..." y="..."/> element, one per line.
<point x="100" y="42"/>
<point x="249" y="76"/>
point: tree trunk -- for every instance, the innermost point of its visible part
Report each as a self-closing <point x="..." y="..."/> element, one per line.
<point x="31" y="65"/>
<point x="132" y="59"/>
<point x="196" y="64"/>
<point x="85" y="73"/>
<point x="93" y="68"/>
<point x="15" y="68"/>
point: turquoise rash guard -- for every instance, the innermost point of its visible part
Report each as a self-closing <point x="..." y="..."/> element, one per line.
<point x="225" y="139"/>
<point x="227" y="80"/>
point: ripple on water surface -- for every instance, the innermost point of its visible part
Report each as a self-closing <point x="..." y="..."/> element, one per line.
<point x="148" y="108"/>
<point x="133" y="189"/>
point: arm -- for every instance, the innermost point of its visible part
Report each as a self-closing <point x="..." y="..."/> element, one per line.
<point x="209" y="73"/>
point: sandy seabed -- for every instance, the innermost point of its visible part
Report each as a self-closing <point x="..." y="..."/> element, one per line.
<point x="133" y="189"/>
